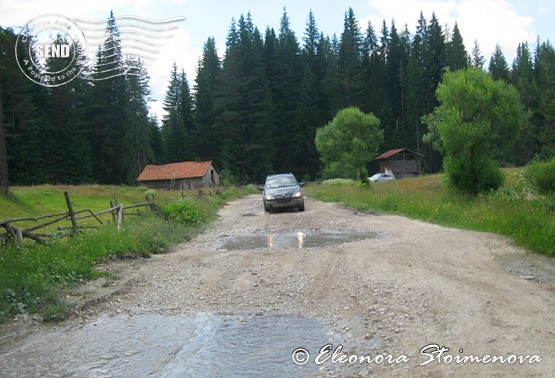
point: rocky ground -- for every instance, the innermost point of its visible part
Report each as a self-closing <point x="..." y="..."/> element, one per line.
<point x="381" y="285"/>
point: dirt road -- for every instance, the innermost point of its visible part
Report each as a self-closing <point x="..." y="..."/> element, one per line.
<point x="388" y="290"/>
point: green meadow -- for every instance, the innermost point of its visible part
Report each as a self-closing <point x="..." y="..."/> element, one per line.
<point x="33" y="278"/>
<point x="514" y="210"/>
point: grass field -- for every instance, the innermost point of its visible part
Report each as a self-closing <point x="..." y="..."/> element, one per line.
<point x="32" y="278"/>
<point x="30" y="201"/>
<point x="513" y="210"/>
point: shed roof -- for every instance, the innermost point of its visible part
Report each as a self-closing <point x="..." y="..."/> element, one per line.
<point x="396" y="151"/>
<point x="187" y="169"/>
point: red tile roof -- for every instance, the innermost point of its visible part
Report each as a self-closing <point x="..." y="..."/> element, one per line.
<point x="187" y="169"/>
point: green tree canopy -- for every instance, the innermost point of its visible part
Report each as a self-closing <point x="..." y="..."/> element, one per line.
<point x="348" y="142"/>
<point x="476" y="117"/>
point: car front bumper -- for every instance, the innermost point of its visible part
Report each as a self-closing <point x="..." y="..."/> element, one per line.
<point x="284" y="203"/>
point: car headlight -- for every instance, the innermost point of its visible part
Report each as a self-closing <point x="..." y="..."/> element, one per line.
<point x="298" y="194"/>
<point x="268" y="197"/>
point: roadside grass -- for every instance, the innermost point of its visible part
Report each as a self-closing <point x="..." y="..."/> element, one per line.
<point x="514" y="210"/>
<point x="32" y="201"/>
<point x="32" y="278"/>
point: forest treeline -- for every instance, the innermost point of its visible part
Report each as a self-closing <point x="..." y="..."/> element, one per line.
<point x="255" y="110"/>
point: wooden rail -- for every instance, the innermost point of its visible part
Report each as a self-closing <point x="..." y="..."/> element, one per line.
<point x="17" y="234"/>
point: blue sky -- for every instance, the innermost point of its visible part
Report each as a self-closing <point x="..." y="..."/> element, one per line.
<point x="490" y="22"/>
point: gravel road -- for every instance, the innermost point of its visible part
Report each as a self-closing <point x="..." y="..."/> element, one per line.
<point x="393" y="290"/>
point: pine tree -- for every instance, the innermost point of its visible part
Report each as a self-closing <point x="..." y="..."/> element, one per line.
<point x="285" y="96"/>
<point x="137" y="141"/>
<point x="311" y="101"/>
<point x="434" y="60"/>
<point x="393" y="115"/>
<point x="156" y="140"/>
<point x="327" y="61"/>
<point x="76" y="166"/>
<point x="107" y="108"/>
<point x="208" y="139"/>
<point x="246" y="107"/>
<point x="401" y="52"/>
<point x="478" y="59"/>
<point x="176" y="140"/>
<point x="349" y="91"/>
<point x="370" y="71"/>
<point x="379" y="82"/>
<point x="455" y="53"/>
<point x="522" y="77"/>
<point x="417" y="86"/>
<point x="544" y="85"/>
<point x="498" y="65"/>
<point x="522" y="74"/>
<point x="185" y="110"/>
<point x="62" y="110"/>
<point x="20" y="121"/>
<point x="434" y="68"/>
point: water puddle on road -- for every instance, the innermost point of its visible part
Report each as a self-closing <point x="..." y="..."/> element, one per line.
<point x="301" y="239"/>
<point x="204" y="345"/>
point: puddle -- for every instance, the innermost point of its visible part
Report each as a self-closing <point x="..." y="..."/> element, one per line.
<point x="205" y="345"/>
<point x="301" y="239"/>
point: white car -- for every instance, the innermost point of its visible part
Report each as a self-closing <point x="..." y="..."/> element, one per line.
<point x="381" y="177"/>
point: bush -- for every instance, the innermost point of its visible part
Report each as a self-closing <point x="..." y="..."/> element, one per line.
<point x="338" y="182"/>
<point x="541" y="176"/>
<point x="472" y="177"/>
<point x="185" y="210"/>
<point x="149" y="194"/>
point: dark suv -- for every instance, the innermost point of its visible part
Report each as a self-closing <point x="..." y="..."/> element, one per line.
<point x="282" y="192"/>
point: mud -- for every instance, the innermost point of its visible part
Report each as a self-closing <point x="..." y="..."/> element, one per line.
<point x="402" y="298"/>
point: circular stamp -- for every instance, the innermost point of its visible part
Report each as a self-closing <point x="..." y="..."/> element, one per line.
<point x="51" y="50"/>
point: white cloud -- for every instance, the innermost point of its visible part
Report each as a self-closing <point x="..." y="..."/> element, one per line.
<point x="490" y="22"/>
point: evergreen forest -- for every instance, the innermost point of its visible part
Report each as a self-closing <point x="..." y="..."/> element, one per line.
<point x="255" y="110"/>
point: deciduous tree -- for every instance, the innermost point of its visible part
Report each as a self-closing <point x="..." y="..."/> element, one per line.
<point x="348" y="143"/>
<point x="474" y="115"/>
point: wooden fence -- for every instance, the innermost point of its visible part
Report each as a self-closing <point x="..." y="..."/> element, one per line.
<point x="18" y="234"/>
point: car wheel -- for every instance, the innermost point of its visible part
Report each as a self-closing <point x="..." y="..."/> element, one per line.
<point x="267" y="208"/>
<point x="301" y="208"/>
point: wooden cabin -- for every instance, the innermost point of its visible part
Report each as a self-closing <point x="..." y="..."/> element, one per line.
<point x="180" y="176"/>
<point x="402" y="162"/>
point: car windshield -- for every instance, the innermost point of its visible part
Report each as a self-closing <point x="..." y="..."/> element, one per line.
<point x="281" y="182"/>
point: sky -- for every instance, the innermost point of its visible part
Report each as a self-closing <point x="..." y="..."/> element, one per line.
<point x="490" y="22"/>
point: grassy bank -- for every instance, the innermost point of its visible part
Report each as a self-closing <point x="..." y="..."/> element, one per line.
<point x="513" y="211"/>
<point x="32" y="278"/>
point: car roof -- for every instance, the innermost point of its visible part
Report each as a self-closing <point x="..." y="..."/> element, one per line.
<point x="280" y="175"/>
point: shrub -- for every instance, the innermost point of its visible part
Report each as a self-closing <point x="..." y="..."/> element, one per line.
<point x="541" y="176"/>
<point x="338" y="182"/>
<point x="185" y="210"/>
<point x="149" y="194"/>
<point x="472" y="177"/>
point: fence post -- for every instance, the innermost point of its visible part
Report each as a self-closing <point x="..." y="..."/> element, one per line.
<point x="71" y="213"/>
<point x="113" y="212"/>
<point x="119" y="216"/>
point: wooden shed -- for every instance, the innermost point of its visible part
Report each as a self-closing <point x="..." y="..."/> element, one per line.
<point x="180" y="176"/>
<point x="402" y="162"/>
